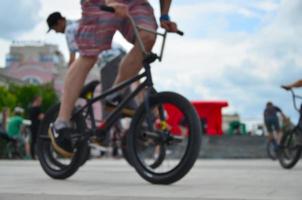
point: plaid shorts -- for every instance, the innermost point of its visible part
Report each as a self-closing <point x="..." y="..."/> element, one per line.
<point x="97" y="27"/>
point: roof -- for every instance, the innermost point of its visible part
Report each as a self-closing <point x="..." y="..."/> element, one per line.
<point x="210" y="103"/>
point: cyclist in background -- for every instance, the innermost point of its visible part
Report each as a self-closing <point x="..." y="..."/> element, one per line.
<point x="95" y="35"/>
<point x="272" y="124"/>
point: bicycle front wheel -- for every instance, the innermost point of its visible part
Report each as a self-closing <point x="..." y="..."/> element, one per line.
<point x="289" y="153"/>
<point x="164" y="138"/>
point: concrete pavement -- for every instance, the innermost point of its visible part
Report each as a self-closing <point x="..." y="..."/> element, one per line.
<point x="114" y="179"/>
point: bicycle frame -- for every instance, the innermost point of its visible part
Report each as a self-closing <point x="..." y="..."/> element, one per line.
<point x="114" y="116"/>
<point x="295" y="97"/>
<point x="297" y="127"/>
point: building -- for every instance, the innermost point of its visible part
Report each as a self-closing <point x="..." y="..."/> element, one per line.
<point x="5" y="80"/>
<point x="229" y="118"/>
<point x="37" y="63"/>
<point x="232" y="125"/>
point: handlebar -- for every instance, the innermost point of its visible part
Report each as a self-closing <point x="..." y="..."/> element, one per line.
<point x="136" y="32"/>
<point x="110" y="9"/>
<point x="294" y="97"/>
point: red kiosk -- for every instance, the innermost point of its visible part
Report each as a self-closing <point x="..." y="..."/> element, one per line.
<point x="209" y="112"/>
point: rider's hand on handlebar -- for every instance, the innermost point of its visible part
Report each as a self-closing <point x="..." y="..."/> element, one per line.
<point x="120" y="9"/>
<point x="169" y="25"/>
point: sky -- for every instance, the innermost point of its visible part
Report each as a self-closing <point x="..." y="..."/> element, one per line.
<point x="239" y="51"/>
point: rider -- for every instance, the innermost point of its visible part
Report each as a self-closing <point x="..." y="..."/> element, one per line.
<point x="95" y="35"/>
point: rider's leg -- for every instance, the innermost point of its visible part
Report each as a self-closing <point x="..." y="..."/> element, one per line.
<point x="27" y="149"/>
<point x="132" y="62"/>
<point x="73" y="84"/>
<point x="130" y="66"/>
<point x="270" y="136"/>
<point x="270" y="130"/>
<point x="278" y="136"/>
<point x="277" y="131"/>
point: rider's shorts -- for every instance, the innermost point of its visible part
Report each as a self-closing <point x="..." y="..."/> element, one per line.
<point x="97" y="27"/>
<point x="272" y="124"/>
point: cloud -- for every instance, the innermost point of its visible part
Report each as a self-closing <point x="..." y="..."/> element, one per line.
<point x="244" y="68"/>
<point x="239" y="51"/>
<point x="17" y="17"/>
<point x="216" y="17"/>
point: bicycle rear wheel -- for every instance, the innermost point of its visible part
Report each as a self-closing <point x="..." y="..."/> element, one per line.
<point x="53" y="163"/>
<point x="271" y="150"/>
<point x="289" y="153"/>
<point x="164" y="142"/>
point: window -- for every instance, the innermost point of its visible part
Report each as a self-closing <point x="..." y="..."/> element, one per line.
<point x="11" y="58"/>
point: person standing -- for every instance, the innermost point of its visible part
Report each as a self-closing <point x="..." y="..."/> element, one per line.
<point x="35" y="116"/>
<point x="3" y="119"/>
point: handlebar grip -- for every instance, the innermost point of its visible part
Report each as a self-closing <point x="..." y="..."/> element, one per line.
<point x="107" y="8"/>
<point x="181" y="33"/>
<point x="285" y="88"/>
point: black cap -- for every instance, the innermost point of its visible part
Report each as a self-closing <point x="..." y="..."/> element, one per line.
<point x="52" y="19"/>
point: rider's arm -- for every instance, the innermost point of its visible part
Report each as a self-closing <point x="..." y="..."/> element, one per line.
<point x="280" y="111"/>
<point x="165" y="21"/>
<point x="165" y="7"/>
<point x="295" y="84"/>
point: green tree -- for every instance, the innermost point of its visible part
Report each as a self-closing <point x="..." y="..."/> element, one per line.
<point x="7" y="99"/>
<point x="24" y="95"/>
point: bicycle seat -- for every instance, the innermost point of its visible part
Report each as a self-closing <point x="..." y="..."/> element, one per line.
<point x="87" y="91"/>
<point x="152" y="57"/>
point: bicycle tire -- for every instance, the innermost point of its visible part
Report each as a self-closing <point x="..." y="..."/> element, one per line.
<point x="191" y="150"/>
<point x="49" y="163"/>
<point x="124" y="148"/>
<point x="289" y="161"/>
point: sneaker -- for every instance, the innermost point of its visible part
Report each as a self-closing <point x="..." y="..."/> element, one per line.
<point x="60" y="140"/>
